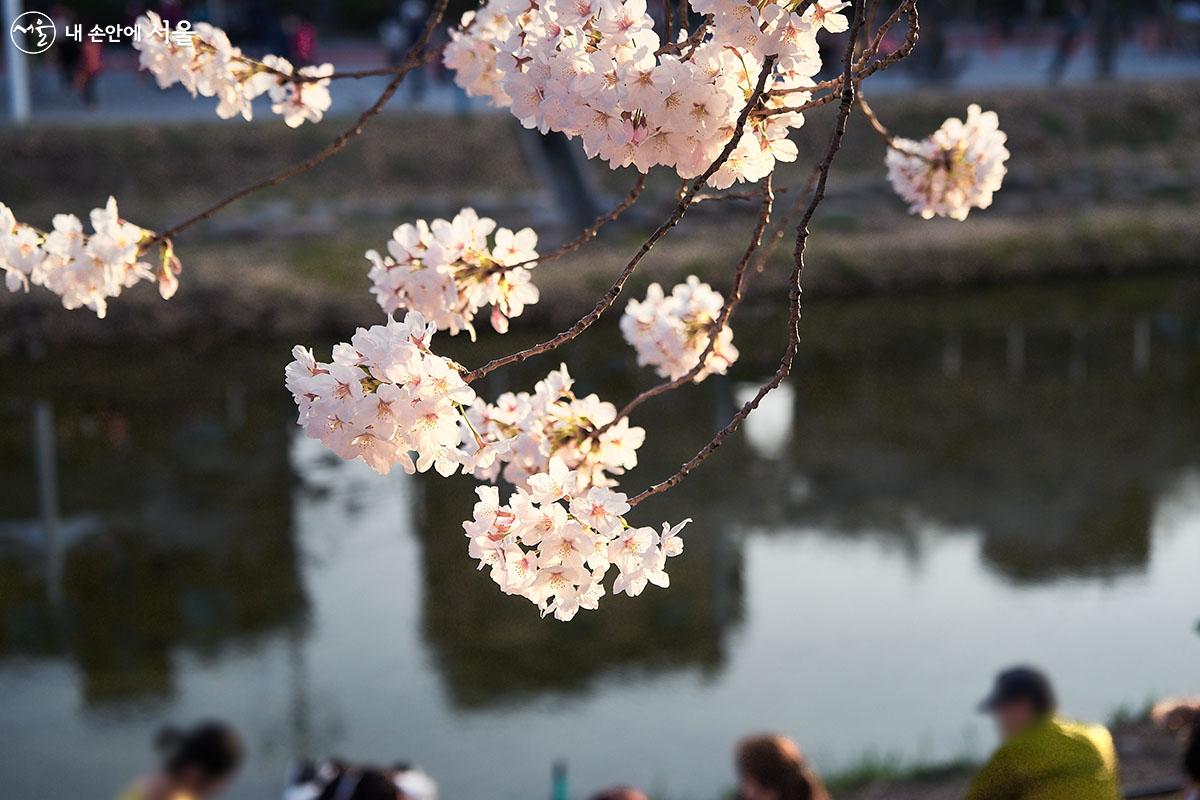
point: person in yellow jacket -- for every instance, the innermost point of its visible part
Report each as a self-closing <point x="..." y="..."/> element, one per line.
<point x="1043" y="756"/>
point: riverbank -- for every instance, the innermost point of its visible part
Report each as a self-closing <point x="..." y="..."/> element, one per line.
<point x="1147" y="758"/>
<point x="1102" y="181"/>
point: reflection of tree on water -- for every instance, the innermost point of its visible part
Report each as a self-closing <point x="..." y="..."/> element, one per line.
<point x="1049" y="419"/>
<point x="1049" y="429"/>
<point x="1053" y="434"/>
<point x="179" y="498"/>
<point x="493" y="649"/>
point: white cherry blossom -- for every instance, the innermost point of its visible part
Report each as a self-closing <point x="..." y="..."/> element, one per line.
<point x="596" y="69"/>
<point x="558" y="556"/>
<point x="447" y="271"/>
<point x="671" y="332"/>
<point x="210" y="66"/>
<point x="84" y="269"/>
<point x="955" y="169"/>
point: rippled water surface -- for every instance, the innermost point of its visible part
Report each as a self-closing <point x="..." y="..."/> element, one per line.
<point x="946" y="485"/>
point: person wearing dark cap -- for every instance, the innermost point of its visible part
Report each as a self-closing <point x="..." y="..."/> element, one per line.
<point x="1042" y="756"/>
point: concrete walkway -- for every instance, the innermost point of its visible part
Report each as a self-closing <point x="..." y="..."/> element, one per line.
<point x="127" y="95"/>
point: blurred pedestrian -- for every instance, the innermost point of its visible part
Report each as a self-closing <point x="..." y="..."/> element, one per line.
<point x="1041" y="755"/>
<point x="620" y="793"/>
<point x="413" y="782"/>
<point x="391" y="36"/>
<point x="196" y="764"/>
<point x="361" y="783"/>
<point x="89" y="71"/>
<point x="771" y="767"/>
<point x="1181" y="716"/>
<point x="301" y="36"/>
<point x="1074" y="21"/>
<point x="412" y="18"/>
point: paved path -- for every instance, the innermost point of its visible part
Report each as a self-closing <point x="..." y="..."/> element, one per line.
<point x="126" y="95"/>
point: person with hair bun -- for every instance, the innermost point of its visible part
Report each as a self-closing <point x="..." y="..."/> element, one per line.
<point x="771" y="767"/>
<point x="195" y="764"/>
<point x="1181" y="716"/>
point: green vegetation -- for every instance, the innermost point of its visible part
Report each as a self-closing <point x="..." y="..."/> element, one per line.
<point x="874" y="770"/>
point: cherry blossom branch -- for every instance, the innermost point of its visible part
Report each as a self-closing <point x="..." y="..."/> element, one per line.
<point x="876" y="124"/>
<point x="416" y="56"/>
<point x="863" y="70"/>
<point x="717" y="325"/>
<point x="802" y="233"/>
<point x="614" y="291"/>
<point x="589" y="233"/>
<point x="764" y="254"/>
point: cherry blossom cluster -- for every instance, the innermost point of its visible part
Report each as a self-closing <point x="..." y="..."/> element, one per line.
<point x="447" y="271"/>
<point x="207" y="64"/>
<point x="555" y="542"/>
<point x="671" y="332"/>
<point x="84" y="269"/>
<point x="597" y="70"/>
<point x="387" y="399"/>
<point x="553" y="424"/>
<point x="956" y="169"/>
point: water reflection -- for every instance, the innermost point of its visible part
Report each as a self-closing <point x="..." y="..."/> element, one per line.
<point x="161" y="525"/>
<point x="135" y="526"/>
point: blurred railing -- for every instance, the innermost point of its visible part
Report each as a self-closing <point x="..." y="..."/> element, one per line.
<point x="1165" y="789"/>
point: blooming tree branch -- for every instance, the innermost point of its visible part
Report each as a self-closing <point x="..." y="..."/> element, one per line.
<point x="794" y="291"/>
<point x="715" y="104"/>
<point x="719" y="325"/>
<point x="681" y="208"/>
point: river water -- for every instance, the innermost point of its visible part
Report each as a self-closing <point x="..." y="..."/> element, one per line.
<point x="948" y="484"/>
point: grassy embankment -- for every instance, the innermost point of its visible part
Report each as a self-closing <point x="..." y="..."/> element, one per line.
<point x="1101" y="181"/>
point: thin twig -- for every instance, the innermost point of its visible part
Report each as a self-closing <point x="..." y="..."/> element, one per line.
<point x="765" y="253"/>
<point x="681" y="208"/>
<point x="589" y="233"/>
<point x="416" y="56"/>
<point x="793" y="344"/>
<point x="862" y="70"/>
<point x="722" y="320"/>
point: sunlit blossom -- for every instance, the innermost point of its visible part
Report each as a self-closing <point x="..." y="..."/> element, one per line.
<point x="558" y="556"/>
<point x="955" y="169"/>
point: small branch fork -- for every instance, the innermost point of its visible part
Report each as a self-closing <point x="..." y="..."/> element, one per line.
<point x="722" y="320"/>
<point x="614" y="291"/>
<point x="864" y="67"/>
<point x="417" y="56"/>
<point x="589" y="233"/>
<point x="802" y="233"/>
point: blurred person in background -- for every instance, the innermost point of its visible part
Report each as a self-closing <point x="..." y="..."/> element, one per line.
<point x="361" y="783"/>
<point x="412" y="18"/>
<point x="391" y="36"/>
<point x="337" y="780"/>
<point x="1071" y="28"/>
<point x="1041" y="755"/>
<point x="301" y="36"/>
<point x="1181" y="717"/>
<point x="620" y="793"/>
<point x="771" y="767"/>
<point x="196" y="764"/>
<point x="414" y="783"/>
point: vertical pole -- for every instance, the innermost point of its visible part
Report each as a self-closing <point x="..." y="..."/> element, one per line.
<point x="16" y="67"/>
<point x="1016" y="351"/>
<point x="1141" y="345"/>
<point x="47" y="478"/>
